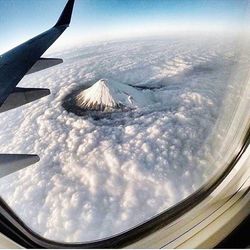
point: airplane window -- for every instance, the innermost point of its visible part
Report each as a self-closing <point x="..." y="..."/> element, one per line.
<point x="138" y="115"/>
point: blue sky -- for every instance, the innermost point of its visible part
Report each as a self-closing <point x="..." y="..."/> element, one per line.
<point x="108" y="19"/>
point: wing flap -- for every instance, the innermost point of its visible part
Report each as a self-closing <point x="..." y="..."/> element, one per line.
<point x="22" y="96"/>
<point x="11" y="163"/>
<point x="44" y="63"/>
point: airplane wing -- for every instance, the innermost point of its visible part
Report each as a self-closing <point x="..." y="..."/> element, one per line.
<point x="11" y="163"/>
<point x="26" y="59"/>
<point x="21" y="96"/>
<point x="14" y="65"/>
<point x="44" y="63"/>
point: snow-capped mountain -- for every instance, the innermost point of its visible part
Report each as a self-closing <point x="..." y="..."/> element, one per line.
<point x="108" y="96"/>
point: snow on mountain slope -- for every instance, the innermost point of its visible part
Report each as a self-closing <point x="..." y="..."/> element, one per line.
<point x="107" y="96"/>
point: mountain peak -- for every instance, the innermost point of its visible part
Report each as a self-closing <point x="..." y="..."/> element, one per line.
<point x="108" y="96"/>
<point x="102" y="82"/>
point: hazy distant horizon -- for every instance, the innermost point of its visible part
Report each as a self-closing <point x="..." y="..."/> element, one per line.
<point x="100" y="20"/>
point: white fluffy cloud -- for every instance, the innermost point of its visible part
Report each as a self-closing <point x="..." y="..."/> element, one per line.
<point x="98" y="178"/>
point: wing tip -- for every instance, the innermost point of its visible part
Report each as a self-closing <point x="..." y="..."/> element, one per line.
<point x="65" y="18"/>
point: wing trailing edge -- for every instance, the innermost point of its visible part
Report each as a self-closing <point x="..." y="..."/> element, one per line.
<point x="44" y="63"/>
<point x="22" y="96"/>
<point x="11" y="163"/>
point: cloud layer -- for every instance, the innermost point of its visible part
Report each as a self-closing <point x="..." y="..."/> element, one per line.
<point x="97" y="178"/>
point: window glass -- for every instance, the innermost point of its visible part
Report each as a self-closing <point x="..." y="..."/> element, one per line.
<point x="141" y="115"/>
